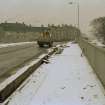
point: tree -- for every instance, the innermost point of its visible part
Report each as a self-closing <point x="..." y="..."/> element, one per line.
<point x="2" y="33"/>
<point x="42" y="25"/>
<point x="48" y="25"/>
<point x="98" y="28"/>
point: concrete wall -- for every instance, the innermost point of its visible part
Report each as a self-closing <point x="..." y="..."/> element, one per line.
<point x="95" y="56"/>
<point x="11" y="84"/>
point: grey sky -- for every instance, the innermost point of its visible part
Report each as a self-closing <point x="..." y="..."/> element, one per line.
<point x="38" y="12"/>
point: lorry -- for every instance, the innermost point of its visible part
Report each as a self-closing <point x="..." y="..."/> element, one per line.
<point x="45" y="39"/>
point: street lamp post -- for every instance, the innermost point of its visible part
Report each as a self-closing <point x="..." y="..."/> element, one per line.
<point x="78" y="13"/>
<point x="77" y="3"/>
<point x="78" y="17"/>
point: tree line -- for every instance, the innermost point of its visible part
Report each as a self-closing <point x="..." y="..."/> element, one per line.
<point x="18" y="32"/>
<point x="19" y="27"/>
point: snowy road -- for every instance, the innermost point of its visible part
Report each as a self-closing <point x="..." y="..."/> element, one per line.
<point x="67" y="80"/>
<point x="15" y="55"/>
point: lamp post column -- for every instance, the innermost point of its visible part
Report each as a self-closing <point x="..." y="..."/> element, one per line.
<point x="78" y="13"/>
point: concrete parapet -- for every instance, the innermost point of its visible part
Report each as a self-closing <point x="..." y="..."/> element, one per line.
<point x="95" y="56"/>
<point x="13" y="82"/>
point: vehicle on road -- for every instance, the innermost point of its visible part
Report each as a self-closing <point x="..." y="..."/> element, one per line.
<point x="45" y="39"/>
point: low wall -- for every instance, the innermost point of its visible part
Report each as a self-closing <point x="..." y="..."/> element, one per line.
<point x="95" y="56"/>
<point x="12" y="83"/>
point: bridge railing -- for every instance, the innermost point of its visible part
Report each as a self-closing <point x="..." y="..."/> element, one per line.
<point x="95" y="56"/>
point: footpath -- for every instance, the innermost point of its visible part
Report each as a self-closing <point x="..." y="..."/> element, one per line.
<point x="67" y="79"/>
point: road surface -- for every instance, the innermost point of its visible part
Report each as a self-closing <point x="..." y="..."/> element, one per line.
<point x="15" y="56"/>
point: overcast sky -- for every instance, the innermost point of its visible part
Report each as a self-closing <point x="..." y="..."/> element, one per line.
<point x="38" y="12"/>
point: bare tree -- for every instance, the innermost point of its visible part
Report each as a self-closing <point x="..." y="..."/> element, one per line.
<point x="98" y="28"/>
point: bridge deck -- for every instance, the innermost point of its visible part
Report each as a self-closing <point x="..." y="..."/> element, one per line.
<point x="67" y="80"/>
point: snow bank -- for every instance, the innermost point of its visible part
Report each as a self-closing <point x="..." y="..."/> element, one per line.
<point x="14" y="44"/>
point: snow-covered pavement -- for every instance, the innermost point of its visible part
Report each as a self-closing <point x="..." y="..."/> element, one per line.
<point x="67" y="80"/>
